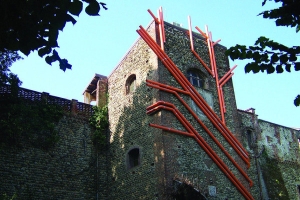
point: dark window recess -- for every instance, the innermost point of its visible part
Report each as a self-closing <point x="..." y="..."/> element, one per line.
<point x="298" y="190"/>
<point x="131" y="84"/>
<point x="133" y="158"/>
<point x="249" y="138"/>
<point x="195" y="78"/>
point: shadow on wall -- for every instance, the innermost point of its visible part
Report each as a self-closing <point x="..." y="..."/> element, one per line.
<point x="65" y="171"/>
<point x="134" y="158"/>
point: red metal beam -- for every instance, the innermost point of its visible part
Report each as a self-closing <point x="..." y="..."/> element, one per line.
<point x="153" y="108"/>
<point x="161" y="27"/>
<point x="171" y="130"/>
<point x="200" y="141"/>
<point x="191" y="33"/>
<point x="200" y="102"/>
<point x="228" y="73"/>
<point x="216" y="42"/>
<point x="214" y="66"/>
<point x="225" y="81"/>
<point x="201" y="32"/>
<point x="169" y="87"/>
<point x="155" y="18"/>
<point x="203" y="63"/>
<point x="245" y="159"/>
<point x="187" y="86"/>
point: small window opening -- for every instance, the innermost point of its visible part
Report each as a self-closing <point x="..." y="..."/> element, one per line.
<point x="298" y="190"/>
<point x="131" y="84"/>
<point x="133" y="158"/>
<point x="249" y="138"/>
<point x="195" y="78"/>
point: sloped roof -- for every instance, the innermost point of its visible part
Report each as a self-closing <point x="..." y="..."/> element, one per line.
<point x="92" y="86"/>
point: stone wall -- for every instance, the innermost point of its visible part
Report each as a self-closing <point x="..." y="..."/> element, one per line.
<point x="65" y="171"/>
<point x="275" y="157"/>
<point x="71" y="169"/>
<point x="166" y="157"/>
<point x="281" y="157"/>
<point x="183" y="154"/>
<point x="129" y="126"/>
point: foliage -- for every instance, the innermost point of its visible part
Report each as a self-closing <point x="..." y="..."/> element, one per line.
<point x="268" y="55"/>
<point x="6" y="197"/>
<point x="34" y="25"/>
<point x="99" y="120"/>
<point x="7" y="58"/>
<point x="273" y="178"/>
<point x="22" y="119"/>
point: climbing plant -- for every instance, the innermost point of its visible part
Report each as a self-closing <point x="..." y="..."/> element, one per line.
<point x="273" y="178"/>
<point x="6" y="197"/>
<point x="99" y="120"/>
<point x="27" y="120"/>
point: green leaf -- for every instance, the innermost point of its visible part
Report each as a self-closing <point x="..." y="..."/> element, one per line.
<point x="75" y="7"/>
<point x="279" y="69"/>
<point x="49" y="60"/>
<point x="256" y="56"/>
<point x="60" y="22"/>
<point x="249" y="54"/>
<point x="297" y="66"/>
<point x="292" y="57"/>
<point x="103" y="5"/>
<point x="93" y="8"/>
<point x="53" y="34"/>
<point x="44" y="51"/>
<point x="252" y="67"/>
<point x="69" y="18"/>
<point x="270" y="69"/>
<point x="297" y="101"/>
<point x="63" y="64"/>
<point x="25" y="49"/>
<point x="288" y="67"/>
<point x="283" y="58"/>
<point x="243" y="54"/>
<point x="274" y="58"/>
<point x="248" y="67"/>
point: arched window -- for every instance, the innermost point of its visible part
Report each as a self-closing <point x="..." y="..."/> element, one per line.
<point x="131" y="84"/>
<point x="133" y="158"/>
<point x="196" y="78"/>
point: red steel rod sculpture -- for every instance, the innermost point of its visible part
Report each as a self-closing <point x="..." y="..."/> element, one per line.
<point x="174" y="91"/>
<point x="188" y="89"/>
<point x="210" y="71"/>
<point x="194" y="134"/>
<point x="193" y="92"/>
<point x="213" y="72"/>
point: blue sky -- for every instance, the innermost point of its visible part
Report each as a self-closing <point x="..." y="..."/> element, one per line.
<point x="97" y="44"/>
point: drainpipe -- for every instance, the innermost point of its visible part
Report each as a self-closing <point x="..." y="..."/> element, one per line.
<point x="258" y="154"/>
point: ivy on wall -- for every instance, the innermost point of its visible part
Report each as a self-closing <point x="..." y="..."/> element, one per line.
<point x="99" y="121"/>
<point x="6" y="197"/>
<point x="27" y="120"/>
<point x="273" y="178"/>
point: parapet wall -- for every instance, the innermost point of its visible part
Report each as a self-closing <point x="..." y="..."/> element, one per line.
<point x="72" y="106"/>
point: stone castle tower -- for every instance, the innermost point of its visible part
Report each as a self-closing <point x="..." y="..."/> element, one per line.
<point x="175" y="130"/>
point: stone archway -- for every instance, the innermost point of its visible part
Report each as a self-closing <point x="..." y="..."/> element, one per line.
<point x="183" y="191"/>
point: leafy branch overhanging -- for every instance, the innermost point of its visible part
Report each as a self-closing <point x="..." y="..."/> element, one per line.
<point x="268" y="55"/>
<point x="32" y="25"/>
